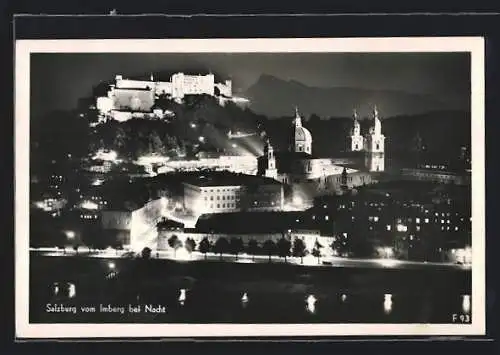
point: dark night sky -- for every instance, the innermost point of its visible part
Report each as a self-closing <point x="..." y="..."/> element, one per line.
<point x="59" y="80"/>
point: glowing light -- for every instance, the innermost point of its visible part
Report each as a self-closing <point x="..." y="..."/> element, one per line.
<point x="244" y="298"/>
<point x="182" y="254"/>
<point x="466" y="305"/>
<point x="182" y="297"/>
<point x="297" y="200"/>
<point x="106" y="156"/>
<point x="70" y="234"/>
<point x="387" y="303"/>
<point x="111" y="265"/>
<point x="311" y="304"/>
<point x="152" y="159"/>
<point x="193" y="125"/>
<point x="343" y="297"/>
<point x="234" y="145"/>
<point x="97" y="182"/>
<point x="401" y="228"/>
<point x="56" y="289"/>
<point x="89" y="205"/>
<point x="386" y="252"/>
<point x="71" y="290"/>
<point x="201" y="139"/>
<point x="388" y="262"/>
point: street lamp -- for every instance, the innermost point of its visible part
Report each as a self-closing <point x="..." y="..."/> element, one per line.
<point x="70" y="234"/>
<point x="111" y="265"/>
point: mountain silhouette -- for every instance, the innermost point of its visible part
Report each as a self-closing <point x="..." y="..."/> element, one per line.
<point x="275" y="97"/>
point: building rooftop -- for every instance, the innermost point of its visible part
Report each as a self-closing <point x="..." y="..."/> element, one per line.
<point x="224" y="178"/>
<point x="254" y="222"/>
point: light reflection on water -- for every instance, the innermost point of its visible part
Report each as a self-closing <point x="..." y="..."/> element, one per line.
<point x="182" y="297"/>
<point x="244" y="300"/>
<point x="387" y="303"/>
<point x="311" y="304"/>
<point x="466" y="305"/>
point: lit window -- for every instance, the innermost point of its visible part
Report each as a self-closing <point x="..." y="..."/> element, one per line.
<point x="456" y="228"/>
<point x="418" y="228"/>
<point x="417" y="220"/>
<point x="388" y="227"/>
<point x="448" y="221"/>
<point x="442" y="221"/>
<point x="427" y="220"/>
<point x="375" y="219"/>
<point x="326" y="218"/>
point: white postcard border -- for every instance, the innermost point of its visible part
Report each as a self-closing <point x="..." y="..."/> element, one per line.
<point x="25" y="329"/>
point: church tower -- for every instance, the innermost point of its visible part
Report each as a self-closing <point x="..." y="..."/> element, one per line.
<point x="270" y="169"/>
<point x="356" y="137"/>
<point x="302" y="138"/>
<point x="374" y="145"/>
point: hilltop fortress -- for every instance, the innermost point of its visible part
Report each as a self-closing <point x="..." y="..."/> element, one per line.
<point x="129" y="98"/>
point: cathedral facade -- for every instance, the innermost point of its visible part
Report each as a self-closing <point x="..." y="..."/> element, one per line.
<point x="309" y="176"/>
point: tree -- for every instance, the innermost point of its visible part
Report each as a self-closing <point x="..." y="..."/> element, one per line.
<point x="174" y="243"/>
<point x="236" y="246"/>
<point x="120" y="139"/>
<point x="156" y="144"/>
<point x="221" y="246"/>
<point x="146" y="253"/>
<point x="317" y="250"/>
<point x="190" y="245"/>
<point x="283" y="247"/>
<point x="269" y="248"/>
<point x="204" y="246"/>
<point x="253" y="248"/>
<point x="299" y="249"/>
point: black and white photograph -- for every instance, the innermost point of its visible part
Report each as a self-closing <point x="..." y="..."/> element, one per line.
<point x="250" y="187"/>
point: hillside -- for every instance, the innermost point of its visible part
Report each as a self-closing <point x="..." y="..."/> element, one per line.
<point x="275" y="97"/>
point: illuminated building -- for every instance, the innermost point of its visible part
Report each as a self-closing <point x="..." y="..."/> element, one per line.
<point x="245" y="164"/>
<point x="374" y="145"/>
<point x="134" y="223"/>
<point x="219" y="192"/>
<point x="307" y="175"/>
<point x="302" y="138"/>
<point x="434" y="174"/>
<point x="129" y="98"/>
<point x="357" y="140"/>
<point x="408" y="217"/>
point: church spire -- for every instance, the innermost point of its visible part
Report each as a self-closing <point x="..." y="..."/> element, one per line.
<point x="354" y="114"/>
<point x="298" y="119"/>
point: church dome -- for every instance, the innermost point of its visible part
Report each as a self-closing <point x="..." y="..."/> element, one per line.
<point x="302" y="134"/>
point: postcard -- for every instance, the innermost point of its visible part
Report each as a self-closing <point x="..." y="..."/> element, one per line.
<point x="292" y="187"/>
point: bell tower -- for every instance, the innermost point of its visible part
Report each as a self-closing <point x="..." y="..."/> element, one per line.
<point x="356" y="137"/>
<point x="375" y="145"/>
<point x="270" y="170"/>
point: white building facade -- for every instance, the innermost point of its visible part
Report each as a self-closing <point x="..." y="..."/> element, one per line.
<point x="222" y="197"/>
